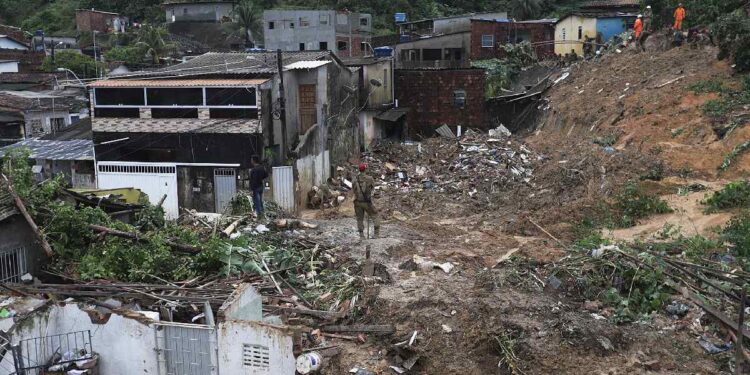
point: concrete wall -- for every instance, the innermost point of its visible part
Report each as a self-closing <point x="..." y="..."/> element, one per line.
<point x="233" y="336"/>
<point x="429" y="95"/>
<point x="609" y="27"/>
<point x="566" y="34"/>
<point x="507" y="32"/>
<point x="6" y="43"/>
<point x="460" y="41"/>
<point x="286" y="38"/>
<point x="382" y="95"/>
<point x="198" y="12"/>
<point x="39" y="122"/>
<point x="8" y="66"/>
<point x="125" y="346"/>
<point x="458" y="24"/>
<point x="87" y="21"/>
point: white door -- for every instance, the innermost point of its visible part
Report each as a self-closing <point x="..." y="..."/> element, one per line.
<point x="154" y="179"/>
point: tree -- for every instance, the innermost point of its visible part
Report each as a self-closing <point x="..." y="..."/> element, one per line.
<point x="248" y="14"/>
<point x="83" y="66"/>
<point x="153" y="41"/>
<point x="526" y="9"/>
<point x="127" y="54"/>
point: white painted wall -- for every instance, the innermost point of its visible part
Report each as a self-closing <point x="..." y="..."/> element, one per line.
<point x="125" y="346"/>
<point x="233" y="335"/>
<point x="140" y="176"/>
<point x="8" y="66"/>
<point x="7" y="43"/>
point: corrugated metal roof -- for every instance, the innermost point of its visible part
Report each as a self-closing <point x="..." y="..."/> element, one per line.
<point x="305" y="65"/>
<point x="610" y="3"/>
<point x="79" y="149"/>
<point x="176" y="82"/>
<point x="177" y="125"/>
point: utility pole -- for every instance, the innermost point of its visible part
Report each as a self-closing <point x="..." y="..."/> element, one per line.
<point x="282" y="103"/>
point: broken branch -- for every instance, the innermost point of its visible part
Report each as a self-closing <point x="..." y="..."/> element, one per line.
<point x="135" y="236"/>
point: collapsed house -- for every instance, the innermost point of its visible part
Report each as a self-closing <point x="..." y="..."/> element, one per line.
<point x="120" y="336"/>
<point x="185" y="134"/>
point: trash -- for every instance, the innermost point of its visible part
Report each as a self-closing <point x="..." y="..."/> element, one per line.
<point x="605" y="343"/>
<point x="609" y="150"/>
<point x="598" y="317"/>
<point x="500" y="131"/>
<point x="446" y="328"/>
<point x="677" y="309"/>
<point x="399" y="216"/>
<point x="426" y="265"/>
<point x="27" y="278"/>
<point x="397" y="369"/>
<point x="597" y="253"/>
<point x="360" y="371"/>
<point x="445" y="131"/>
<point x="413" y="338"/>
<point x="554" y="282"/>
<point x="309" y="363"/>
<point x="711" y="348"/>
<point x="261" y="228"/>
<point x="5" y="313"/>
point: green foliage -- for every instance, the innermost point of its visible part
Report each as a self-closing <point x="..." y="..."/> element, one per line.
<point x="502" y="73"/>
<point x="737" y="234"/>
<point x="633" y="204"/>
<point x="736" y="152"/>
<point x="734" y="195"/>
<point x="643" y="291"/>
<point x="249" y="14"/>
<point x="732" y="31"/>
<point x="718" y="107"/>
<point x="241" y="204"/>
<point x="153" y="41"/>
<point x="654" y="173"/>
<point x="525" y="9"/>
<point x="606" y="141"/>
<point x="83" y="66"/>
<point x="710" y="85"/>
<point x="57" y="18"/>
<point x="128" y="54"/>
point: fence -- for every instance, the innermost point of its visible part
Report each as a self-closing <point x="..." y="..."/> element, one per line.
<point x="186" y="349"/>
<point x="38" y="352"/>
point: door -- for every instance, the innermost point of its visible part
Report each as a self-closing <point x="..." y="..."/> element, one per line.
<point x="308" y="115"/>
<point x="225" y="184"/>
<point x="157" y="180"/>
<point x="186" y="349"/>
<point x="283" y="187"/>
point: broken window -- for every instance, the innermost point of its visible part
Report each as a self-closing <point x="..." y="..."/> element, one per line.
<point x="488" y="41"/>
<point x="364" y="21"/>
<point x="304" y="22"/>
<point x="323" y="46"/>
<point x="302" y="46"/>
<point x="324" y="19"/>
<point x="271" y="25"/>
<point x="342" y="45"/>
<point x="230" y="96"/>
<point x="580" y="32"/>
<point x="459" y="98"/>
<point x="119" y="96"/>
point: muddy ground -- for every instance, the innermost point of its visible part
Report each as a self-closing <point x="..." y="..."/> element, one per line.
<point x="502" y="244"/>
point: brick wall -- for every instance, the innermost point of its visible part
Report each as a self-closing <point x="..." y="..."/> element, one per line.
<point x="504" y="31"/>
<point x="87" y="21"/>
<point x="429" y="94"/>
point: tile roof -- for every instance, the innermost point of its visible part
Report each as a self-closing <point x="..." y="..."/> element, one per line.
<point x="176" y="82"/>
<point x="610" y="3"/>
<point x="231" y="63"/>
<point x="79" y="149"/>
<point x="177" y="125"/>
<point x="26" y="100"/>
<point x="27" y="77"/>
<point x="79" y="130"/>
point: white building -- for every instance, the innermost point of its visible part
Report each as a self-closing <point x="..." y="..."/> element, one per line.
<point x="8" y="66"/>
<point x="7" y="42"/>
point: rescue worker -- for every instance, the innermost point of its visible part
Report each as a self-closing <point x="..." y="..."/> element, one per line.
<point x="638" y="27"/>
<point x="679" y="15"/>
<point x="648" y="16"/>
<point x="363" y="187"/>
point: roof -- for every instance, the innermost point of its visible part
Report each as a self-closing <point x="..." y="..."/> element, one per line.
<point x="79" y="130"/>
<point x="95" y="11"/>
<point x="7" y="204"/>
<point x="7" y="61"/>
<point x="79" y="149"/>
<point x="466" y="15"/>
<point x="595" y="14"/>
<point x="305" y="65"/>
<point x="505" y="20"/>
<point x="176" y="82"/>
<point x="366" y="61"/>
<point x="15" y="40"/>
<point x="234" y="63"/>
<point x="392" y="114"/>
<point x="27" y="100"/>
<point x="611" y="3"/>
<point x="177" y="125"/>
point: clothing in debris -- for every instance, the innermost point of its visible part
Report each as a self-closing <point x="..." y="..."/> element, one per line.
<point x="363" y="187"/>
<point x="679" y="15"/>
<point x="257" y="174"/>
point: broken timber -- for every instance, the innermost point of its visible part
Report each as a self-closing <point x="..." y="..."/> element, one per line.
<point x="134" y="236"/>
<point x="25" y="213"/>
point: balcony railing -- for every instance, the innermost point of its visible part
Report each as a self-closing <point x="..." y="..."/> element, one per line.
<point x="433" y="64"/>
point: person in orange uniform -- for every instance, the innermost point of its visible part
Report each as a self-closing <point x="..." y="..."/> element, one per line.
<point x="679" y="15"/>
<point x="638" y="27"/>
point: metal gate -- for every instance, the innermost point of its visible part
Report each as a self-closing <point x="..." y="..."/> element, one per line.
<point x="225" y="187"/>
<point x="154" y="179"/>
<point x="186" y="349"/>
<point x="283" y="188"/>
<point x="12" y="264"/>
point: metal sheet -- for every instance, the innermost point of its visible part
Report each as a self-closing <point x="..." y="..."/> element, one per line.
<point x="306" y="64"/>
<point x="186" y="350"/>
<point x="283" y="188"/>
<point x="225" y="188"/>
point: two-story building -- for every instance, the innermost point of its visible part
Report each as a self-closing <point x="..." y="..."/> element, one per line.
<point x="378" y="117"/>
<point x="198" y="11"/>
<point x="188" y="131"/>
<point x="348" y="34"/>
<point x="488" y="37"/>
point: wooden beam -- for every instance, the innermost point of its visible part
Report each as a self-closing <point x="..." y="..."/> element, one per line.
<point x="22" y="209"/>
<point x="188" y="249"/>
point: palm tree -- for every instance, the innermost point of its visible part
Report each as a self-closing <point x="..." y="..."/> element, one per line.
<point x="248" y="14"/>
<point x="526" y="9"/>
<point x="154" y="42"/>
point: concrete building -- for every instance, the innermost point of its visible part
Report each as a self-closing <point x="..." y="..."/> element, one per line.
<point x="488" y="36"/>
<point x="443" y="25"/>
<point x="26" y="114"/>
<point x="573" y="30"/>
<point x="21" y="251"/>
<point x="88" y="20"/>
<point x="198" y="11"/>
<point x="435" y="52"/>
<point x="348" y="34"/>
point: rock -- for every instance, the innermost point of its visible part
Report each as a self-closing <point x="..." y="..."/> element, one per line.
<point x="446" y="328"/>
<point x="653" y="365"/>
<point x="677" y="309"/>
<point x="605" y="343"/>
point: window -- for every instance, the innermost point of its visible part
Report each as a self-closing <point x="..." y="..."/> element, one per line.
<point x="304" y="22"/>
<point x="459" y="98"/>
<point x="184" y="10"/>
<point x="57" y="124"/>
<point x="364" y="21"/>
<point x="385" y="78"/>
<point x="323" y="46"/>
<point x="12" y="264"/>
<point x="121" y="96"/>
<point x="230" y="96"/>
<point x="174" y="97"/>
<point x="256" y="356"/>
<point x="488" y="41"/>
<point x="580" y="32"/>
<point x="342" y="19"/>
<point x="291" y="25"/>
<point x="324" y="20"/>
<point x="302" y="46"/>
<point x="363" y="46"/>
<point x="564" y="36"/>
<point x="342" y="45"/>
<point x="271" y="25"/>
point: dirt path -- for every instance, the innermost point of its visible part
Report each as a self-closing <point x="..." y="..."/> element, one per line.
<point x="460" y="316"/>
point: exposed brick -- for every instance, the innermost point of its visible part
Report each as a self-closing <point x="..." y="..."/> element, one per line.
<point x="504" y="32"/>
